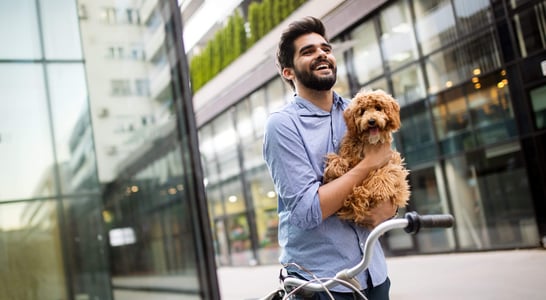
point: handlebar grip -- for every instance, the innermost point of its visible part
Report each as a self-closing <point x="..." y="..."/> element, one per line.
<point x="416" y="221"/>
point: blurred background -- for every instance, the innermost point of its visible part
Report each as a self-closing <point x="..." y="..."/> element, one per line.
<point x="131" y="133"/>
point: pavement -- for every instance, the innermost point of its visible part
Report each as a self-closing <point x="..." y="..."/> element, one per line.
<point x="492" y="275"/>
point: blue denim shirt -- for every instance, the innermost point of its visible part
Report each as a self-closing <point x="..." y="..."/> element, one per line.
<point x="297" y="139"/>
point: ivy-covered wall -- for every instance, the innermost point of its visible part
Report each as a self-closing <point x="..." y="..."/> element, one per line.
<point x="233" y="40"/>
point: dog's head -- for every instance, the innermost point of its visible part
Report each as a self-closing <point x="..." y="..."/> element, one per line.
<point x="372" y="116"/>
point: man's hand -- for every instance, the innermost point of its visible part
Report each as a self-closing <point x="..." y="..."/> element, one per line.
<point x="376" y="157"/>
<point x="384" y="211"/>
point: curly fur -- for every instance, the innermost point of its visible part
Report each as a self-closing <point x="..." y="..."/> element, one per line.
<point x="371" y="118"/>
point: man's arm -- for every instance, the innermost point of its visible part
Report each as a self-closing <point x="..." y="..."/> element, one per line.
<point x="333" y="194"/>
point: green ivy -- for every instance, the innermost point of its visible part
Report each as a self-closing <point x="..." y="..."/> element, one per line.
<point x="232" y="40"/>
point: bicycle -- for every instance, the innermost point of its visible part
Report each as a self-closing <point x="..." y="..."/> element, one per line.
<point x="412" y="223"/>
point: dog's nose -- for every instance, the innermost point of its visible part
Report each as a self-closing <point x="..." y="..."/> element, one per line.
<point x="371" y="122"/>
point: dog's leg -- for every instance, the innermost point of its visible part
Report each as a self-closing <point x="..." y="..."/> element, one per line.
<point x="335" y="167"/>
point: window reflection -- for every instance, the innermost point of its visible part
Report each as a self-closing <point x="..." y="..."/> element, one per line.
<point x="435" y="24"/>
<point x="26" y="147"/>
<point x="408" y="84"/>
<point x="452" y="121"/>
<point x="26" y="227"/>
<point x="60" y="30"/>
<point x="452" y="66"/>
<point x="20" y="30"/>
<point x="487" y="189"/>
<point x="416" y="134"/>
<point x="397" y="37"/>
<point x="529" y="26"/>
<point x="366" y="52"/>
<point x="538" y="102"/>
<point x="472" y="15"/>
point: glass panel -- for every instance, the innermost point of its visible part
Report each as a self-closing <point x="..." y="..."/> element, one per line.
<point x="342" y="84"/>
<point x="366" y="52"/>
<point x="258" y="111"/>
<point x="243" y="119"/>
<point x="26" y="149"/>
<point x="538" y="102"/>
<point x="72" y="127"/>
<point x="472" y="15"/>
<point x="208" y="158"/>
<point x="450" y="67"/>
<point x="19" y="30"/>
<point x="416" y="134"/>
<point x="491" y="199"/>
<point x="148" y="227"/>
<point x="435" y="24"/>
<point x="452" y="121"/>
<point x="276" y="96"/>
<point x="60" y="29"/>
<point x="225" y="146"/>
<point x="442" y="70"/>
<point x="25" y="228"/>
<point x="131" y="100"/>
<point x="490" y="108"/>
<point x="479" y="56"/>
<point x="377" y="84"/>
<point x="530" y="27"/>
<point x="239" y="240"/>
<point x="426" y="198"/>
<point x="408" y="84"/>
<point x="397" y="37"/>
<point x="265" y="209"/>
<point x="86" y="239"/>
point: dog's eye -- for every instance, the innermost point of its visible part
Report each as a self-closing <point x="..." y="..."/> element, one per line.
<point x="378" y="108"/>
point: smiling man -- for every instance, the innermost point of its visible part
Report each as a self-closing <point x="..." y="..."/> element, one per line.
<point x="313" y="240"/>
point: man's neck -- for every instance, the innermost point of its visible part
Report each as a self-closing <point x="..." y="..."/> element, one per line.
<point x="321" y="99"/>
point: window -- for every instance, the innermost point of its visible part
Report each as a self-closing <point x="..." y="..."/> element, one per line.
<point x="530" y="26"/>
<point x="366" y="52"/>
<point x="120" y="87"/>
<point x="397" y="37"/>
<point x="435" y="24"/>
<point x="408" y="84"/>
<point x="538" y="102"/>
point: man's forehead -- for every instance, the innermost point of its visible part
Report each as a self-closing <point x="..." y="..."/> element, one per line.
<point x="310" y="39"/>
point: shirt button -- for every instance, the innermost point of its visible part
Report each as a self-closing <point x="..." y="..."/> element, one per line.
<point x="361" y="244"/>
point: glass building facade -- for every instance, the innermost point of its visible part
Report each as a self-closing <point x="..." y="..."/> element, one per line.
<point x="470" y="79"/>
<point x="101" y="192"/>
<point x="114" y="184"/>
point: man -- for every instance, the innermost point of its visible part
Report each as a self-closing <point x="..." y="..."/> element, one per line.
<point x="313" y="240"/>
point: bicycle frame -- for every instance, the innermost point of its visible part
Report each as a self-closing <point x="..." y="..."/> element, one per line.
<point x="411" y="223"/>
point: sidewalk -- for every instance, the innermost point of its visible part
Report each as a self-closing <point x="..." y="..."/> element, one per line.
<point x="498" y="275"/>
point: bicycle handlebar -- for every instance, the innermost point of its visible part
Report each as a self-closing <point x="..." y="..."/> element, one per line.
<point x="416" y="221"/>
<point x="411" y="223"/>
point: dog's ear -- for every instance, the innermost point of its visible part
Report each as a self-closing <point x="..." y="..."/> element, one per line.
<point x="349" y="117"/>
<point x="393" y="111"/>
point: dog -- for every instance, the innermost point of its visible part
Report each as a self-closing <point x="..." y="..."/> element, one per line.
<point x="371" y="118"/>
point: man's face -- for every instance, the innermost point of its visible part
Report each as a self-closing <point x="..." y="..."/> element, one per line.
<point x="314" y="63"/>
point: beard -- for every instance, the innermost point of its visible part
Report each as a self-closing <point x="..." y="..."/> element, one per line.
<point x="311" y="81"/>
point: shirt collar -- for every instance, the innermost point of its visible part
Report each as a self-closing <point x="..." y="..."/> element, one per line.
<point x="309" y="107"/>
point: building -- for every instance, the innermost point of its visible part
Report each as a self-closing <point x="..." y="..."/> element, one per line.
<point x="88" y="88"/>
<point x="117" y="183"/>
<point x="470" y="78"/>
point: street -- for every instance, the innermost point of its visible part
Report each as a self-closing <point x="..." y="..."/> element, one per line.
<point x="498" y="275"/>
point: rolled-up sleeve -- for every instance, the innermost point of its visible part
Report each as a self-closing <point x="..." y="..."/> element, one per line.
<point x="295" y="177"/>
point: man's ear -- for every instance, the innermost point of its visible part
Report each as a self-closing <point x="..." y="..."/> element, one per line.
<point x="288" y="73"/>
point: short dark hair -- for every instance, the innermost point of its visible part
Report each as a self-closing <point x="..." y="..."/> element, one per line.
<point x="285" y="48"/>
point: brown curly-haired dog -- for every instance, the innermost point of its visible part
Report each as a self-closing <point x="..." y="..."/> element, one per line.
<point x="371" y="118"/>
